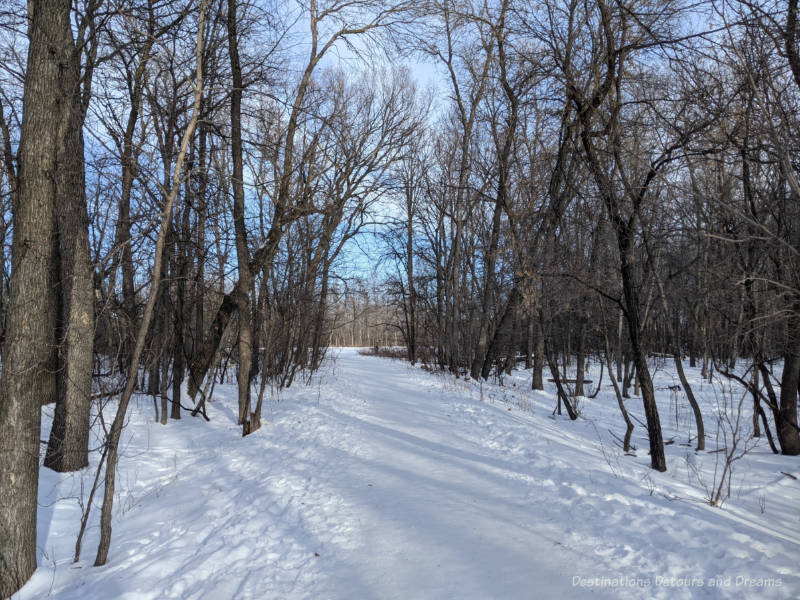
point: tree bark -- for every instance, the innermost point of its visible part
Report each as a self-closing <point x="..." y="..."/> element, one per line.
<point x="788" y="435"/>
<point x="502" y="335"/>
<point x="537" y="379"/>
<point x="580" y="355"/>
<point x="412" y="294"/>
<point x="29" y="336"/>
<point x="244" y="289"/>
<point x="657" y="459"/>
<point x="68" y="445"/>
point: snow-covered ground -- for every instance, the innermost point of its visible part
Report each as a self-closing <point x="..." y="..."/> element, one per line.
<point x="381" y="481"/>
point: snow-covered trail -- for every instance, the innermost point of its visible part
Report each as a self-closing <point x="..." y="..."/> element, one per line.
<point x="381" y="481"/>
<point x="440" y="514"/>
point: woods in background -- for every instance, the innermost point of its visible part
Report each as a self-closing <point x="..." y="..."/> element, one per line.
<point x="185" y="185"/>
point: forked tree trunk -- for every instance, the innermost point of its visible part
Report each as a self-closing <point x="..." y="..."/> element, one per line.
<point x="627" y="377"/>
<point x="622" y="221"/>
<point x="657" y="459"/>
<point x="562" y="395"/>
<point x="673" y="331"/>
<point x="626" y="444"/>
<point x="502" y="335"/>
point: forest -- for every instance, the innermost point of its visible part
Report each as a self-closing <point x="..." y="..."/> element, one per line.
<point x="202" y="187"/>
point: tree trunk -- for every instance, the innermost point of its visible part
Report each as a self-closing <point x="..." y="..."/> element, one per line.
<point x="529" y="343"/>
<point x="412" y="294"/>
<point x="580" y="357"/>
<point x="562" y="395"/>
<point x="163" y="328"/>
<point x="128" y="160"/>
<point x="490" y="282"/>
<point x="687" y="388"/>
<point x="788" y="435"/>
<point x="537" y="379"/>
<point x="163" y="363"/>
<point x="627" y="376"/>
<point x="242" y="297"/>
<point x="200" y="235"/>
<point x="657" y="458"/>
<point x="756" y="403"/>
<point x="317" y="353"/>
<point x="29" y="336"/>
<point x="673" y="331"/>
<point x="626" y="444"/>
<point x="502" y="334"/>
<point x="182" y="315"/>
<point x="620" y="353"/>
<point x="68" y="446"/>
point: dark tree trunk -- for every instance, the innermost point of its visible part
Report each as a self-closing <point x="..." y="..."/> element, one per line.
<point x="164" y="368"/>
<point x="756" y="403"/>
<point x="490" y="283"/>
<point x="529" y="342"/>
<point x="627" y="377"/>
<point x="163" y="327"/>
<point x="788" y="435"/>
<point x="562" y="395"/>
<point x="177" y="364"/>
<point x="673" y="331"/>
<point x="412" y="294"/>
<point x="182" y="315"/>
<point x="199" y="278"/>
<point x="68" y="446"/>
<point x="128" y="159"/>
<point x="243" y="291"/>
<point x="657" y="458"/>
<point x="502" y="335"/>
<point x="317" y="352"/>
<point x="537" y="379"/>
<point x="626" y="444"/>
<point x="580" y="357"/>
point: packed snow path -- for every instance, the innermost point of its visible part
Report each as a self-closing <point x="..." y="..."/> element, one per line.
<point x="381" y="481"/>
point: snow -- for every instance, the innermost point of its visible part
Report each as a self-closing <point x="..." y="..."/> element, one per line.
<point x="380" y="480"/>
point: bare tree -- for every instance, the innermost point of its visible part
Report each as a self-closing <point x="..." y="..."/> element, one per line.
<point x="169" y="201"/>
